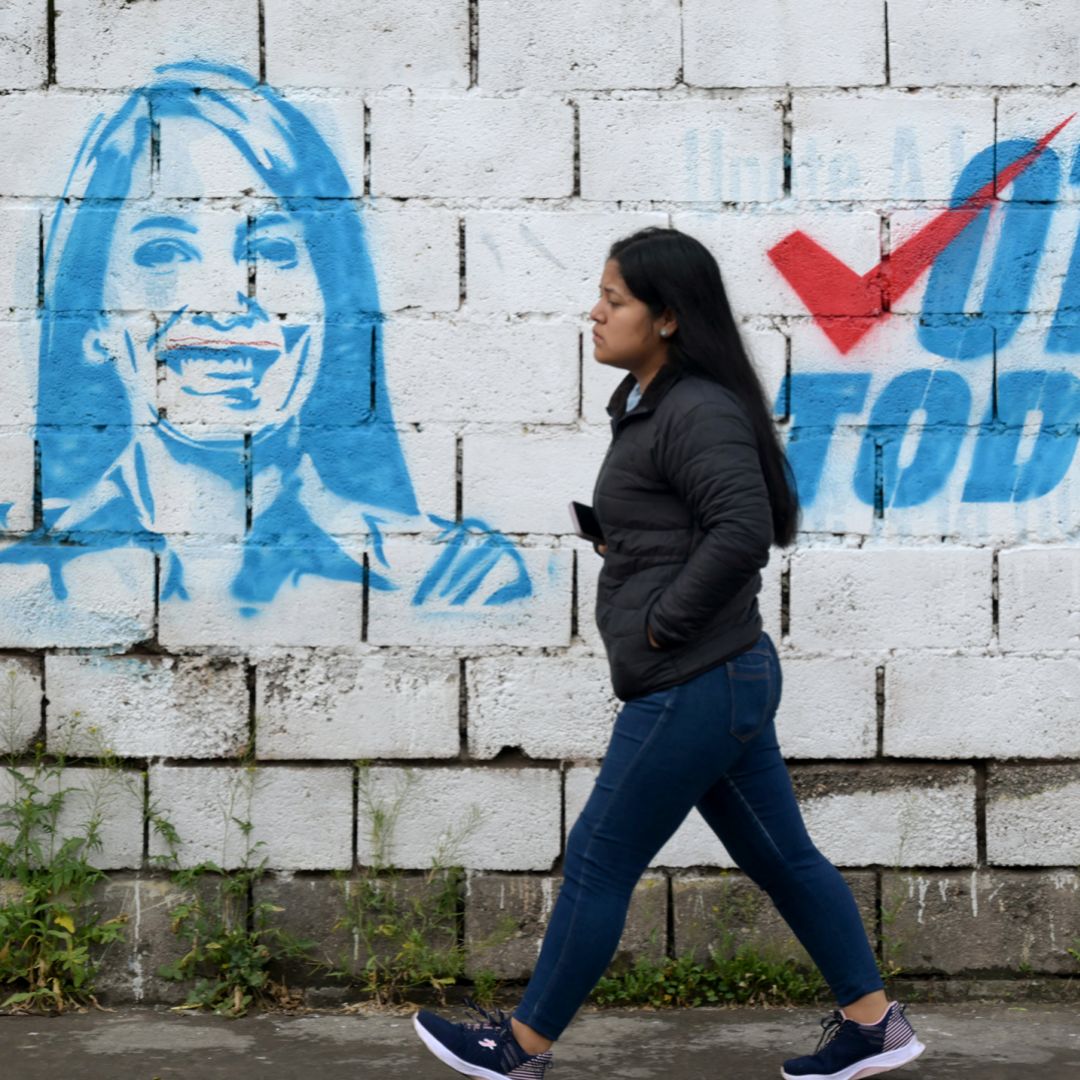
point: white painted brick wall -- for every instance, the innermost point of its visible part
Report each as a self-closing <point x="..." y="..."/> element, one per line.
<point x="1039" y="598"/>
<point x="146" y="706"/>
<point x="550" y="707"/>
<point x="23" y="45"/>
<point x="333" y="43"/>
<point x="1037" y="826"/>
<point x="17" y="485"/>
<point x="18" y="255"/>
<point x="685" y="151"/>
<point x="313" y="704"/>
<point x="416" y="252"/>
<point x="486" y="819"/>
<point x="302" y="813"/>
<point x="561" y="44"/>
<point x="435" y="146"/>
<point x="20" y="703"/>
<point x="527" y="481"/>
<point x="99" y="44"/>
<point x="779" y="43"/>
<point x="897" y="826"/>
<point x="547" y="261"/>
<point x="890" y="598"/>
<point x="112" y="602"/>
<point x="981" y="42"/>
<point x="109" y="799"/>
<point x="982" y="706"/>
<point x="458" y="371"/>
<point x="42" y="167"/>
<point x="490" y="187"/>
<point x="828" y="707"/>
<point x="868" y="146"/>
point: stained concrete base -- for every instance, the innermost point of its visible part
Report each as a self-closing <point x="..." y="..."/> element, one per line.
<point x="993" y="1042"/>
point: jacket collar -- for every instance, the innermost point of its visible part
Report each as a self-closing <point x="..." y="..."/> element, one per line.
<point x="660" y="384"/>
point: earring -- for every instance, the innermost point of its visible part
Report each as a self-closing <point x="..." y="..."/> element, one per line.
<point x="663" y="333"/>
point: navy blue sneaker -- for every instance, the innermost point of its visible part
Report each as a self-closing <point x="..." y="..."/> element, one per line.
<point x="848" y="1051"/>
<point x="486" y="1049"/>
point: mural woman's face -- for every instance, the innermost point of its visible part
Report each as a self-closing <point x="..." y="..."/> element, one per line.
<point x="233" y="360"/>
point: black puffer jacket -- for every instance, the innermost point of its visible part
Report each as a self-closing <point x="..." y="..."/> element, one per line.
<point x="686" y="517"/>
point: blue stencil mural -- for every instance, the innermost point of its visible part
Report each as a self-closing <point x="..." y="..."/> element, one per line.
<point x="282" y="419"/>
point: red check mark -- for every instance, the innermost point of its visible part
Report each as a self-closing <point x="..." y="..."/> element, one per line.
<point x="846" y="305"/>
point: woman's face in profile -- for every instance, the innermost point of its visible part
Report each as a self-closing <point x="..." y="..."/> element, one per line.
<point x="235" y="341"/>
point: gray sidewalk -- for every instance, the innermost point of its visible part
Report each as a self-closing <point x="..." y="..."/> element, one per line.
<point x="992" y="1042"/>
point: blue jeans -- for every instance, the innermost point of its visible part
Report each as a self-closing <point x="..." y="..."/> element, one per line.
<point x="709" y="742"/>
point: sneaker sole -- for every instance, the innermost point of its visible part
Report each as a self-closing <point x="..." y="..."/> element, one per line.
<point x="448" y="1057"/>
<point x="871" y="1066"/>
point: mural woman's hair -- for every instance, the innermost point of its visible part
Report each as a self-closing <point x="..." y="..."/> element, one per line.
<point x="346" y="423"/>
<point x="666" y="268"/>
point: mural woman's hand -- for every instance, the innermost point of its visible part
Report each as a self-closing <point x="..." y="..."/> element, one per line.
<point x="477" y="564"/>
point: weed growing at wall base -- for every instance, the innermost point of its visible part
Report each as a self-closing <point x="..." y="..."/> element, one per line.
<point x="48" y="925"/>
<point x="232" y="943"/>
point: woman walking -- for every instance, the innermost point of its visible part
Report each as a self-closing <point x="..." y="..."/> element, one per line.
<point x="694" y="490"/>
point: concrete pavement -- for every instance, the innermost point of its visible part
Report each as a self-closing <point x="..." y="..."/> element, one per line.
<point x="992" y="1042"/>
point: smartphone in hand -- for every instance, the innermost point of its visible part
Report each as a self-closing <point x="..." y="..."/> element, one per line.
<point x="585" y="522"/>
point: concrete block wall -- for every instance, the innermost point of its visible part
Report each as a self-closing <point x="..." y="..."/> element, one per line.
<point x="251" y="611"/>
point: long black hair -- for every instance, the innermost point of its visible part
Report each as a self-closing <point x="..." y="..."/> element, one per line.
<point x="666" y="268"/>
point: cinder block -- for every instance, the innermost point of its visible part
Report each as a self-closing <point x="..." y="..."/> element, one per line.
<point x="385" y="43"/>
<point x="19" y="382"/>
<point x="101" y="45"/>
<point x="105" y="801"/>
<point x="828" y="707"/>
<point x="769" y="597"/>
<point x="422" y="612"/>
<point x="348" y="919"/>
<point x="128" y="967"/>
<point x="480" y="818"/>
<point x="981" y="920"/>
<point x="878" y="598"/>
<point x="548" y="261"/>
<point x="777" y="43"/>
<point x="314" y="704"/>
<point x="525" y="482"/>
<point x="1033" y="815"/>
<point x="416" y="257"/>
<point x="1030" y="114"/>
<point x="1039" y="598"/>
<point x="303" y="815"/>
<point x="20" y="702"/>
<point x="548" y="706"/>
<point x="109" y="601"/>
<point x="506" y="916"/>
<point x="587" y="567"/>
<point x="23" y="45"/>
<point x="42" y="167"/>
<point x="147" y="706"/>
<point x="723" y="914"/>
<point x="17" y="486"/>
<point x="456" y="371"/>
<point x="981" y="706"/>
<point x="981" y="42"/>
<point x="197" y="160"/>
<point x="741" y="242"/>
<point x="693" y="843"/>
<point x="305" y="608"/>
<point x="436" y="146"/>
<point x="564" y="45"/>
<point x="686" y="151"/>
<point x="19" y="263"/>
<point x="895" y="815"/>
<point x="885" y="145"/>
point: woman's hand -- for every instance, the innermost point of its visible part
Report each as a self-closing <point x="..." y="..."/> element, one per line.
<point x="600" y="549"/>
